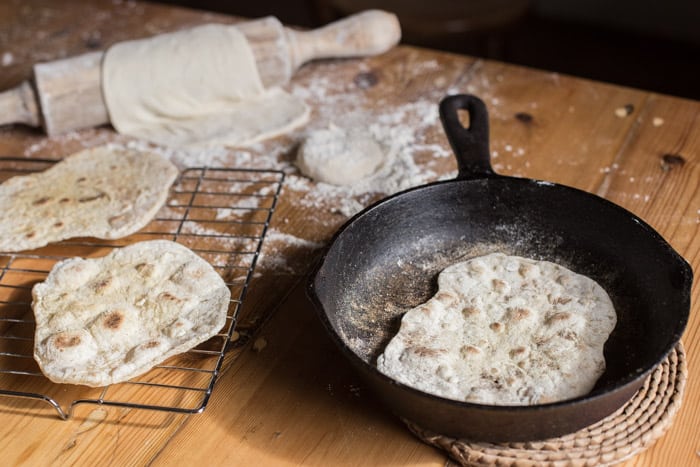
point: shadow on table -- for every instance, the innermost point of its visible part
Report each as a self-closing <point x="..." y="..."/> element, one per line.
<point x="309" y="406"/>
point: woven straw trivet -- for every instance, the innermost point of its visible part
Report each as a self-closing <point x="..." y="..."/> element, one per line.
<point x="625" y="433"/>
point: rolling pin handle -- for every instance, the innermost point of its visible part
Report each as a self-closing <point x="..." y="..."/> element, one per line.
<point x="19" y="105"/>
<point x="370" y="32"/>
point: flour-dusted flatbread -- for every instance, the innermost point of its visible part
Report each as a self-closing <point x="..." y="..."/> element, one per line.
<point x="106" y="320"/>
<point x="195" y="87"/>
<point x="504" y="330"/>
<point x="104" y="192"/>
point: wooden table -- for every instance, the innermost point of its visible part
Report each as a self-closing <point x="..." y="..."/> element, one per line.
<point x="287" y="396"/>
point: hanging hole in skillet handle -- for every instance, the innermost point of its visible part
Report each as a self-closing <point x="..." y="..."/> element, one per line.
<point x="469" y="144"/>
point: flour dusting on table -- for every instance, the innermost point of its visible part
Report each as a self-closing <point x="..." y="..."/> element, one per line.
<point x="276" y="255"/>
<point x="409" y="131"/>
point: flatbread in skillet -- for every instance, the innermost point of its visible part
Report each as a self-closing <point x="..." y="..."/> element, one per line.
<point x="104" y="192"/>
<point x="106" y="320"/>
<point x="504" y="330"/>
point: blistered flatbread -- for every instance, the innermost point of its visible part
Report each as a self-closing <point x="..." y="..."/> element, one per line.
<point x="504" y="330"/>
<point x="106" y="320"/>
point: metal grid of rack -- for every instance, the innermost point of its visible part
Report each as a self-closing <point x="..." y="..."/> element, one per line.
<point x="221" y="214"/>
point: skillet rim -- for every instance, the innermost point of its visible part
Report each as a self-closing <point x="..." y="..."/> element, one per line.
<point x="632" y="379"/>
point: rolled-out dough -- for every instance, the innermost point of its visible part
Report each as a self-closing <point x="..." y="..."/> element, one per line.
<point x="195" y="87"/>
<point x="340" y="156"/>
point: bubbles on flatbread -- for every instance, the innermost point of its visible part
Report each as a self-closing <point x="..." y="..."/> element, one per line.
<point x="504" y="330"/>
<point x="106" y="320"/>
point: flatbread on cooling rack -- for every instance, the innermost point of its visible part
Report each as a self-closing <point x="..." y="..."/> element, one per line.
<point x="105" y="192"/>
<point x="504" y="330"/>
<point x="106" y="320"/>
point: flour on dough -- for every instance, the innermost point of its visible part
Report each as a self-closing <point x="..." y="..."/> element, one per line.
<point x="504" y="330"/>
<point x="195" y="87"/>
<point x="340" y="156"/>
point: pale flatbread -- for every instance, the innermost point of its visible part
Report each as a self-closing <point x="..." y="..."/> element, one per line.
<point x="504" y="330"/>
<point x="194" y="87"/>
<point x="106" y="320"/>
<point x="104" y="192"/>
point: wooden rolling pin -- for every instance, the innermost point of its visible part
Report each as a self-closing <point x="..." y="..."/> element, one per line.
<point x="66" y="94"/>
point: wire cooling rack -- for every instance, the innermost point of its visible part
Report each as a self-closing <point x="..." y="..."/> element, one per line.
<point x="221" y="214"/>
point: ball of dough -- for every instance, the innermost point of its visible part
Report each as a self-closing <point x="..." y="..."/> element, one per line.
<point x="340" y="156"/>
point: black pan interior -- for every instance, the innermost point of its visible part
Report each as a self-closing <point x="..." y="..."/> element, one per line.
<point x="387" y="259"/>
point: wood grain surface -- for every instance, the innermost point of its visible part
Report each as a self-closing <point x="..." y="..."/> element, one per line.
<point x="285" y="395"/>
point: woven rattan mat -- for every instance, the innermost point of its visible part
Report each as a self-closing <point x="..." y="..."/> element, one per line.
<point x="625" y="433"/>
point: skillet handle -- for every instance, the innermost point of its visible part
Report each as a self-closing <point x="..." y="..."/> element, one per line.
<point x="470" y="145"/>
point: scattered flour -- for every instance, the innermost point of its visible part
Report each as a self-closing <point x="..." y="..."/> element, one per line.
<point x="410" y="134"/>
<point x="278" y="252"/>
<point x="401" y="133"/>
<point x="275" y="236"/>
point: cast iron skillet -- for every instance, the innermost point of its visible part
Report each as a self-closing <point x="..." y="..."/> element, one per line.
<point x="385" y="260"/>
